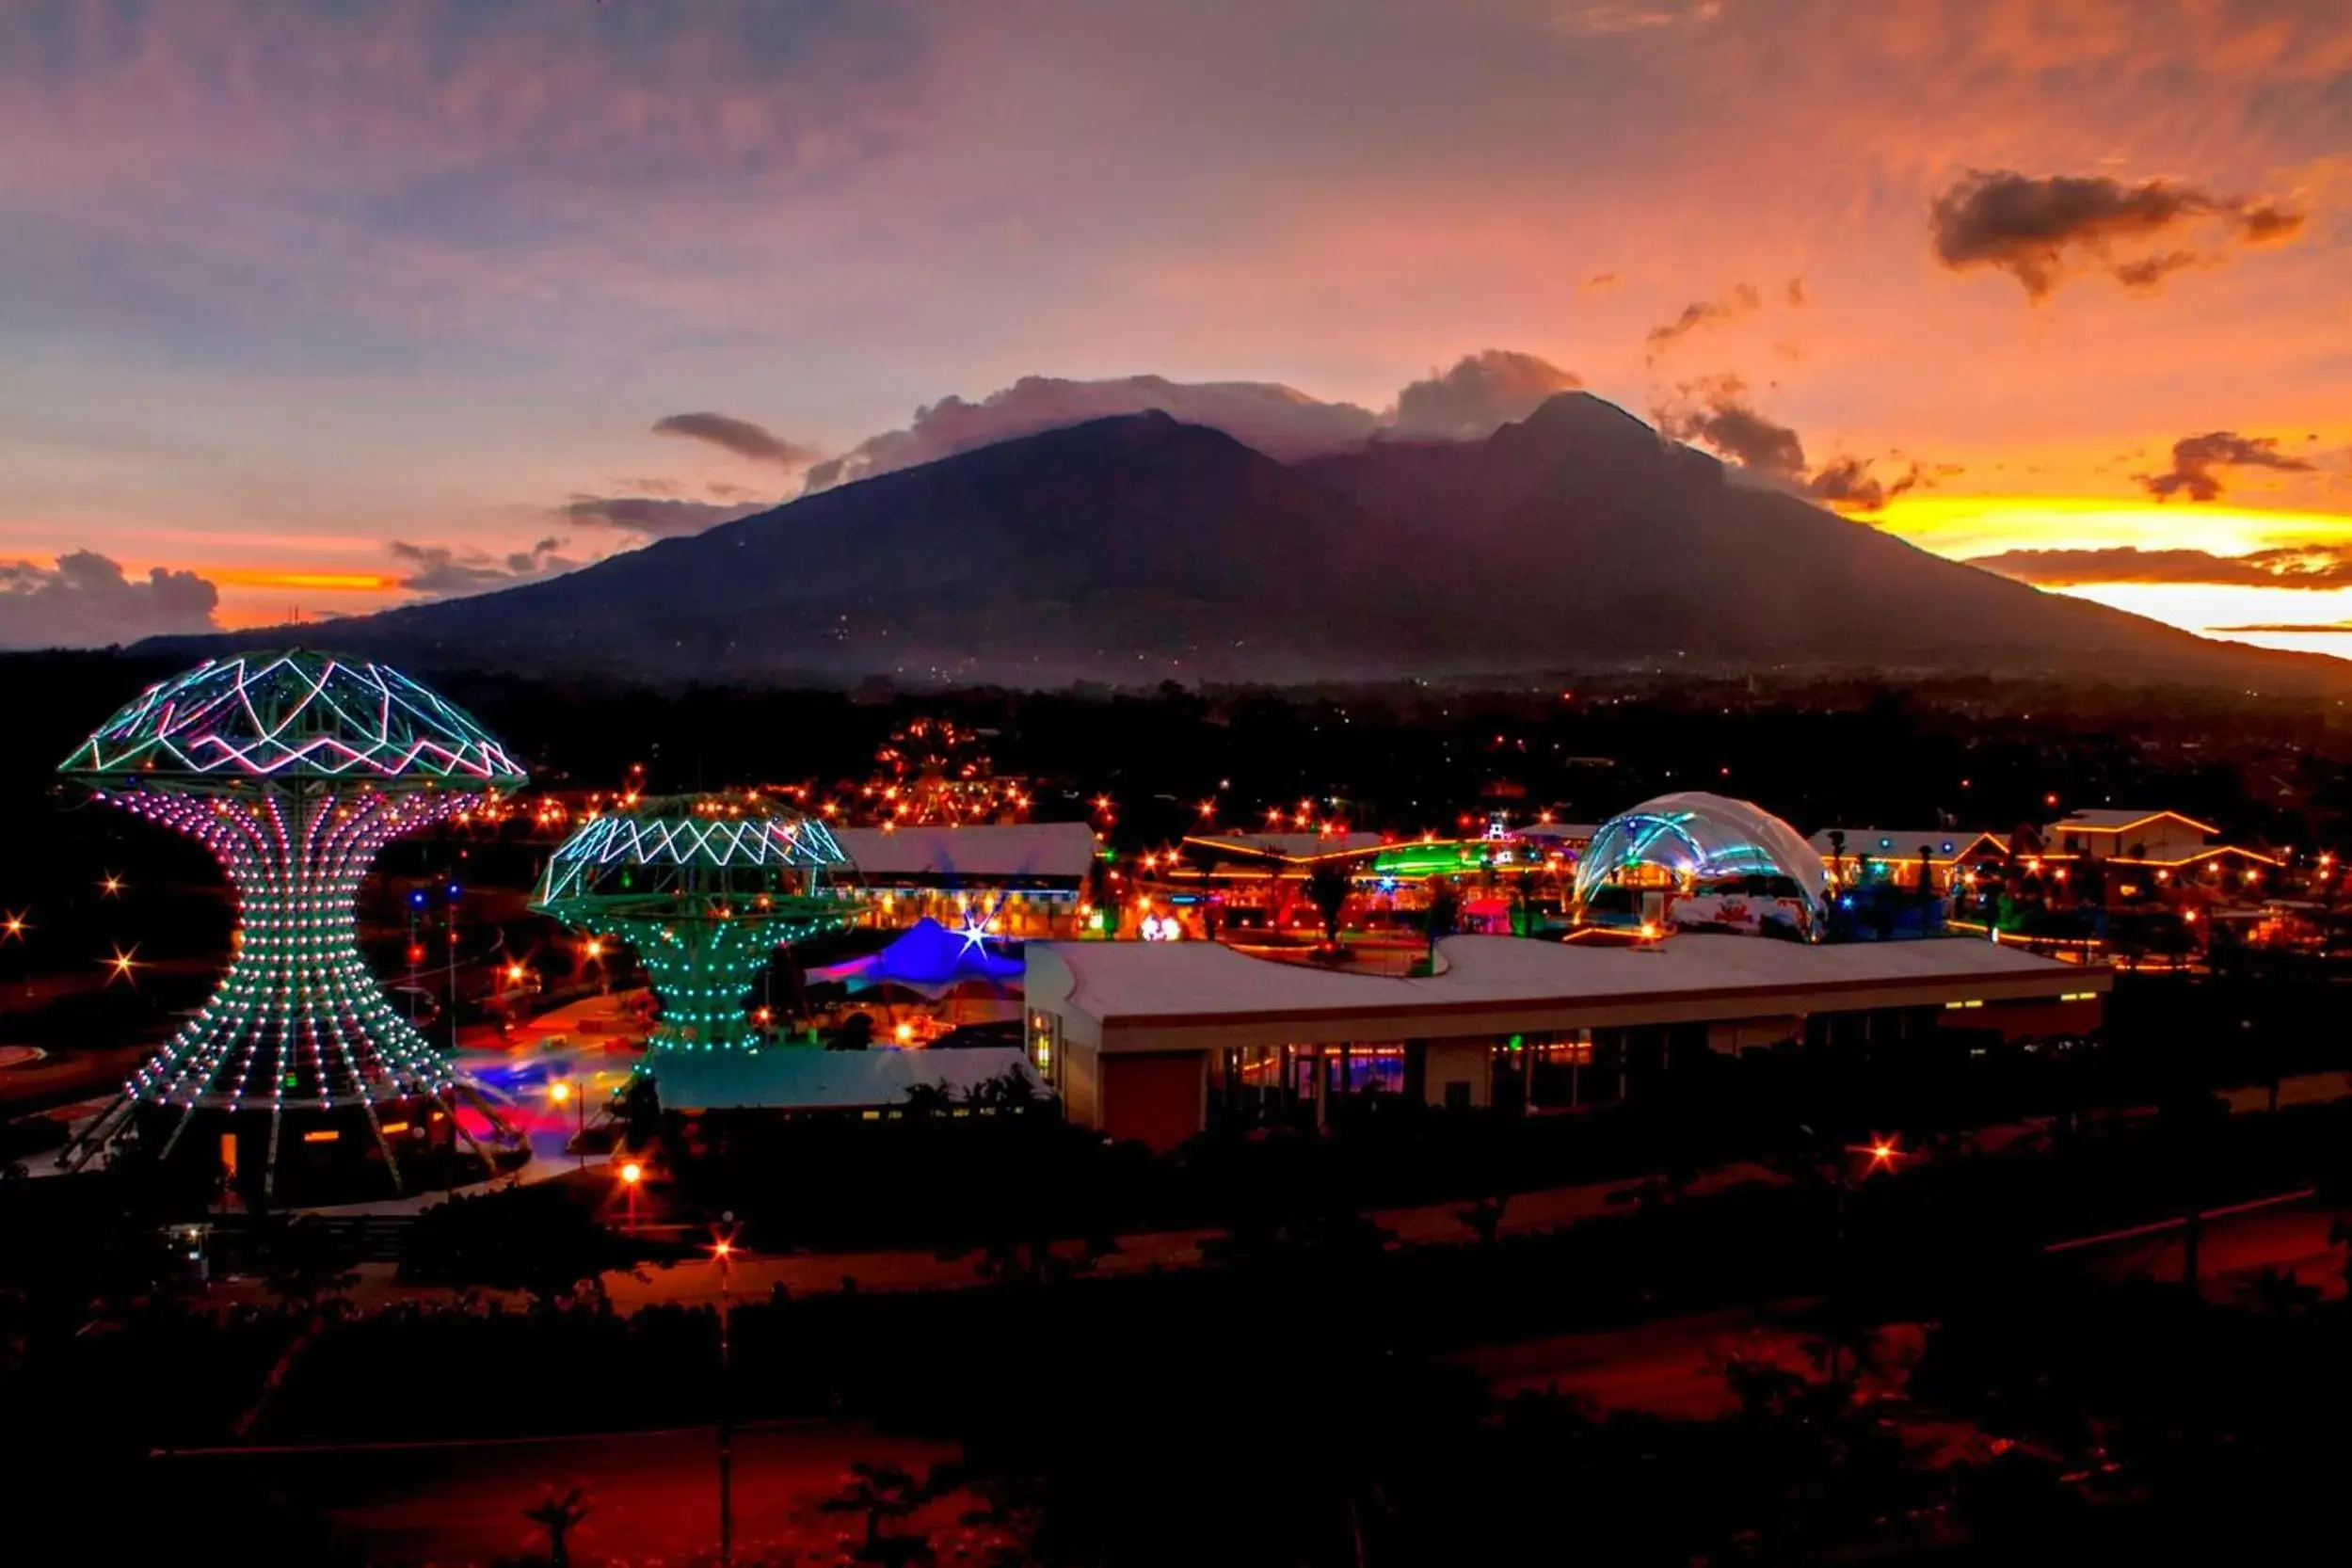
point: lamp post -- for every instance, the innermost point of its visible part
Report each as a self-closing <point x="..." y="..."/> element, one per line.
<point x="722" y="1249"/>
<point x="631" y="1174"/>
<point x="561" y="1091"/>
<point x="1879" y="1154"/>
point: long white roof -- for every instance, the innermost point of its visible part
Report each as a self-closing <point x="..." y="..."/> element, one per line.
<point x="1058" y="850"/>
<point x="1510" y="978"/>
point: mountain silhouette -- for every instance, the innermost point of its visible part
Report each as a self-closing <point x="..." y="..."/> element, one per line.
<point x="1138" y="549"/>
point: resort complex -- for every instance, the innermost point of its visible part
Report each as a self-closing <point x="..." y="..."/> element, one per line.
<point x="929" y="942"/>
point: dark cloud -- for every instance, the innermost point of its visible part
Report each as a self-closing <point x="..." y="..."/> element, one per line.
<point x="2292" y="567"/>
<point x="443" y="572"/>
<point x="1716" y="411"/>
<point x="1742" y="298"/>
<point x="2150" y="272"/>
<point x="1277" y="420"/>
<point x="1481" y="393"/>
<point x="1852" y="483"/>
<point x="1796" y="294"/>
<point x="1600" y="280"/>
<point x="740" y="436"/>
<point x="2265" y="221"/>
<point x="2196" y="457"/>
<point x="653" y="517"/>
<point x="2043" y="230"/>
<point x="85" y="600"/>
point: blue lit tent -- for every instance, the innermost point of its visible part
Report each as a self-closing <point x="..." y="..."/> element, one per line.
<point x="929" y="960"/>
<point x="1699" y="837"/>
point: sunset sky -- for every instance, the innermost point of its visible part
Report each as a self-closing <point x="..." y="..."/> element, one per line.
<point x="332" y="305"/>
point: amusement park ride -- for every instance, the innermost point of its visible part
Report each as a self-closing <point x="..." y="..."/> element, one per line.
<point x="294" y="770"/>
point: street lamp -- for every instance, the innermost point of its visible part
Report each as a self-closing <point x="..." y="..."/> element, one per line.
<point x="631" y="1175"/>
<point x="723" y="1253"/>
<point x="1879" y="1154"/>
<point x="561" y="1092"/>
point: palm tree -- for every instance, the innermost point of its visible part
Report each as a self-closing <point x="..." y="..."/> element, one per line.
<point x="882" y="1492"/>
<point x="1445" y="913"/>
<point x="1485" y="1217"/>
<point x="929" y="1099"/>
<point x="559" y="1517"/>
<point x="1837" y="853"/>
<point x="1328" y="885"/>
<point x="1523" y="921"/>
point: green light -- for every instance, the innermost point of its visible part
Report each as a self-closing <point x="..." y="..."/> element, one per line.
<point x="705" y="889"/>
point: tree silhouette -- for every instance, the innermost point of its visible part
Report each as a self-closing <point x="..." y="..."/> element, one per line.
<point x="1445" y="913"/>
<point x="929" y="1099"/>
<point x="1328" y="885"/>
<point x="558" y="1518"/>
<point x="879" y="1492"/>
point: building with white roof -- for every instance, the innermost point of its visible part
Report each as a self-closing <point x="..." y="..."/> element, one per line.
<point x="1149" y="1040"/>
<point x="1015" y="878"/>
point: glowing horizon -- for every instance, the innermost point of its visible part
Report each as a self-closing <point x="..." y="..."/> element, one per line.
<point x="536" y="285"/>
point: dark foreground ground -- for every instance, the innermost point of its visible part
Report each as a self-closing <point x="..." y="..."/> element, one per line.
<point x="651" y="1496"/>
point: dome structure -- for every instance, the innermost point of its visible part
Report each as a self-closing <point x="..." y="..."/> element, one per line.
<point x="297" y="715"/>
<point x="1697" y="837"/>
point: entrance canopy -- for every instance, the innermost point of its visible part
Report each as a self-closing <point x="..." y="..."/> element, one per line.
<point x="929" y="960"/>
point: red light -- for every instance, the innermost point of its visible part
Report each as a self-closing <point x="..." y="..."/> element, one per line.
<point x="632" y="1172"/>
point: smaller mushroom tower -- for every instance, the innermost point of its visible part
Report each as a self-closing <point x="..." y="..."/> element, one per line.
<point x="705" y="887"/>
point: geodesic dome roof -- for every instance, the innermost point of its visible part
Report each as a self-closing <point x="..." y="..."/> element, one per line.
<point x="1702" y="836"/>
<point x="292" y="715"/>
<point x="712" y="841"/>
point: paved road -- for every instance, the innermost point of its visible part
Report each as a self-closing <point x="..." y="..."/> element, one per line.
<point x="2234" y="1251"/>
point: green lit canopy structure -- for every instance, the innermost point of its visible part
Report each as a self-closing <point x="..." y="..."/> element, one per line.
<point x="705" y="887"/>
<point x="294" y="770"/>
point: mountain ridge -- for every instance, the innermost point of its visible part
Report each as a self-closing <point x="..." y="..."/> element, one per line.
<point x="1140" y="547"/>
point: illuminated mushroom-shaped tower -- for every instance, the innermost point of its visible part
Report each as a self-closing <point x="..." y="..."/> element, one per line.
<point x="705" y="887"/>
<point x="294" y="770"/>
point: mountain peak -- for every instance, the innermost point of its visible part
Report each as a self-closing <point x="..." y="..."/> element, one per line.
<point x="1139" y="546"/>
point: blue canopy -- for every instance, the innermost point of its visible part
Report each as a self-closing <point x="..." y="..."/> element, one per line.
<point x="929" y="958"/>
